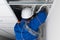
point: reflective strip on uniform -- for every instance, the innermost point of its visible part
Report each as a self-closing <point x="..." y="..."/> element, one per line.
<point x="31" y="31"/>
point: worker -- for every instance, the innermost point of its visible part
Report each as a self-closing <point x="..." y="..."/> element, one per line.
<point x="27" y="28"/>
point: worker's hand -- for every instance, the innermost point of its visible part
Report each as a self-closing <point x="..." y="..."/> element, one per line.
<point x="18" y="21"/>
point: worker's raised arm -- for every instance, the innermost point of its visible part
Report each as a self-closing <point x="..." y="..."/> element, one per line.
<point x="38" y="20"/>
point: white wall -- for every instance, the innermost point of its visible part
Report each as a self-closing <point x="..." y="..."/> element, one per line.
<point x="7" y="20"/>
<point x="53" y="22"/>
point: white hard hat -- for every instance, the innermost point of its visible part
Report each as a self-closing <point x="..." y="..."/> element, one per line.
<point x="26" y="13"/>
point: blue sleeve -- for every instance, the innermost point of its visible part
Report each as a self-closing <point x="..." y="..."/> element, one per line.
<point x="25" y="34"/>
<point x="38" y="20"/>
<point x="17" y="29"/>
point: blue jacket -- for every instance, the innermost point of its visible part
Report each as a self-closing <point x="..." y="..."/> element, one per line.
<point x="34" y="24"/>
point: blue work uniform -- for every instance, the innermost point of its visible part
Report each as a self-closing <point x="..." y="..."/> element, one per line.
<point x="22" y="33"/>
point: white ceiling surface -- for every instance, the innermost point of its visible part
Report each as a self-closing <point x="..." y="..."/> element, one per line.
<point x="7" y="20"/>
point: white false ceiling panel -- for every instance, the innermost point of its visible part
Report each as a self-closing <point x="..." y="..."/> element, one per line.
<point x="7" y="20"/>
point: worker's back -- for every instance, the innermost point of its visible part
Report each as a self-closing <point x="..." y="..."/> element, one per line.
<point x="30" y="32"/>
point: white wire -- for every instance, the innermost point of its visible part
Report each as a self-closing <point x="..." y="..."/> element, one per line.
<point x="41" y="8"/>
